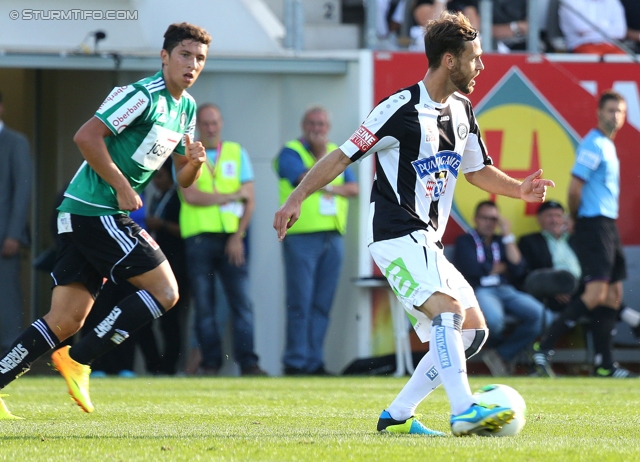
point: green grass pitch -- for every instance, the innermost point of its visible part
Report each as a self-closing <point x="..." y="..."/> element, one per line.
<point x="300" y="419"/>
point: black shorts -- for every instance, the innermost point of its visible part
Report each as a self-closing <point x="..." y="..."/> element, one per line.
<point x="112" y="246"/>
<point x="598" y="247"/>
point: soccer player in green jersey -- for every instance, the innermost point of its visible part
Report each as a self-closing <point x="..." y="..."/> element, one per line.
<point x="131" y="135"/>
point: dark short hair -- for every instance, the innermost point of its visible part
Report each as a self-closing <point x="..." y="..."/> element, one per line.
<point x="179" y="32"/>
<point x="550" y="205"/>
<point x="447" y="34"/>
<point x="486" y="204"/>
<point x="0" y="97"/>
<point x="609" y="95"/>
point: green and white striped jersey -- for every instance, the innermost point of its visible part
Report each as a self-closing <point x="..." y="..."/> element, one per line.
<point x="148" y="124"/>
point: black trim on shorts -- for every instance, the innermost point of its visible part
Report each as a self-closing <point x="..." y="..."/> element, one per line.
<point x="599" y="249"/>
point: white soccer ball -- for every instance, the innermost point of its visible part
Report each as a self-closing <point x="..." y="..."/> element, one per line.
<point x="505" y="396"/>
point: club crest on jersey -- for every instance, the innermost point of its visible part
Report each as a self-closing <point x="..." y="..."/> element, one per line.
<point x="183" y="120"/>
<point x="463" y="131"/>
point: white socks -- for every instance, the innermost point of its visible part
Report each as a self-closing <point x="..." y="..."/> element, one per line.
<point x="630" y="316"/>
<point x="426" y="378"/>
<point x="446" y="341"/>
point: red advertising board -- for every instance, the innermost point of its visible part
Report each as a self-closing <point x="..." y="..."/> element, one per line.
<point x="533" y="112"/>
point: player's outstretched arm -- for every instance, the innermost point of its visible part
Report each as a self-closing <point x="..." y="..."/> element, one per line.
<point x="188" y="166"/>
<point x="489" y="178"/>
<point x="327" y="169"/>
<point x="90" y="140"/>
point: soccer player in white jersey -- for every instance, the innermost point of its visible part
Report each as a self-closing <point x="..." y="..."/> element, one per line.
<point x="423" y="137"/>
<point x="131" y="135"/>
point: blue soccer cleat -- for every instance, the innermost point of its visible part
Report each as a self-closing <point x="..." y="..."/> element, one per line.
<point x="411" y="426"/>
<point x="481" y="420"/>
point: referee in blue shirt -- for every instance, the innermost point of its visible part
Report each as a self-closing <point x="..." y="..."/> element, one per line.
<point x="593" y="204"/>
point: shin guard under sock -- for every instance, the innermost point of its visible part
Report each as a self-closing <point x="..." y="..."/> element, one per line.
<point x="130" y="314"/>
<point x="33" y="342"/>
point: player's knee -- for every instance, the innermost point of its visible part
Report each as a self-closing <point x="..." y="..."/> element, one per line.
<point x="167" y="296"/>
<point x="66" y="327"/>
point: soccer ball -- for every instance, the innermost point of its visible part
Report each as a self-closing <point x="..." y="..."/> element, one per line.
<point x="504" y="396"/>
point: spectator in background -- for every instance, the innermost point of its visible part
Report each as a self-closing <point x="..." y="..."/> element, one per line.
<point x="593" y="204"/>
<point x="424" y="11"/>
<point x="551" y="249"/>
<point x="390" y="17"/>
<point x="15" y="198"/>
<point x="314" y="250"/>
<point x="490" y="262"/>
<point x="632" y="16"/>
<point x="215" y="213"/>
<point x="510" y="25"/>
<point x="577" y="19"/>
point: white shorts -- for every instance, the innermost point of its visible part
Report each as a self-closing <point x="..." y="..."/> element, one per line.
<point x="416" y="268"/>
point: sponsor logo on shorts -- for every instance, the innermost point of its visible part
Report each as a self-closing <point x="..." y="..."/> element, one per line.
<point x="363" y="138"/>
<point x="151" y="241"/>
<point x="13" y="358"/>
<point x="400" y="278"/>
<point x="107" y="323"/>
<point x="441" y="347"/>
<point x="432" y="373"/>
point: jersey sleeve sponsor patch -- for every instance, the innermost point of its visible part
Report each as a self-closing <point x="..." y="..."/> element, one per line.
<point x="118" y="116"/>
<point x="589" y="159"/>
<point x="363" y="139"/>
<point x="116" y="95"/>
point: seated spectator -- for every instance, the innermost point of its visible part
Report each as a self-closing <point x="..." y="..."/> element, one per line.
<point x="632" y="15"/>
<point x="390" y="17"/>
<point x="424" y="11"/>
<point x="510" y="25"/>
<point x="489" y="261"/>
<point x="578" y="18"/>
<point x="551" y="249"/>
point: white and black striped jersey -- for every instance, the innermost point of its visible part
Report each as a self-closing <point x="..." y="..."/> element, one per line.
<point x="421" y="147"/>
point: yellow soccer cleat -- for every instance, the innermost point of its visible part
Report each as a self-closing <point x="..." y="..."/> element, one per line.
<point x="5" y="414"/>
<point x="76" y="375"/>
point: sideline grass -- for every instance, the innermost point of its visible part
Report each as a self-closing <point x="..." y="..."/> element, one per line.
<point x="319" y="419"/>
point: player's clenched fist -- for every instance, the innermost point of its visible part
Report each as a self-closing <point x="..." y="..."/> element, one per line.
<point x="196" y="154"/>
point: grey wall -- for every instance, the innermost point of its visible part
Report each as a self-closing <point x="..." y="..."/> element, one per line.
<point x="261" y="111"/>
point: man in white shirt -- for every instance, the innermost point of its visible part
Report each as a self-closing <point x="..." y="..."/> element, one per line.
<point x="577" y="19"/>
